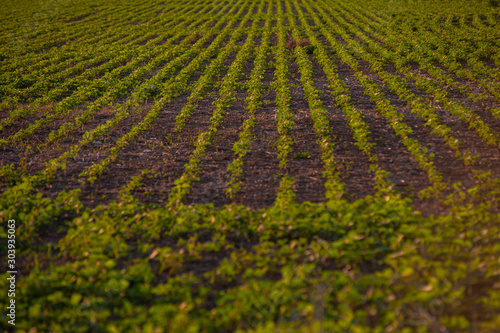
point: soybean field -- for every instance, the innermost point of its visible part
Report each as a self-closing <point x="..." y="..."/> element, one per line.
<point x="250" y="165"/>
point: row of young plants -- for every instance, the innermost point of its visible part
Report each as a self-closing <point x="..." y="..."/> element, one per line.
<point x="125" y="194"/>
<point x="334" y="187"/>
<point x="383" y="105"/>
<point x="226" y="97"/>
<point x="432" y="48"/>
<point x="429" y="49"/>
<point x="369" y="265"/>
<point x="253" y="102"/>
<point x="433" y="88"/>
<point x="463" y="42"/>
<point x="23" y="65"/>
<point x="26" y="187"/>
<point x="148" y="89"/>
<point x="355" y="119"/>
<point x="174" y="88"/>
<point x="417" y="105"/>
<point x="44" y="80"/>
<point x="106" y="75"/>
<point x="426" y="48"/>
<point x="68" y="64"/>
<point x="77" y="32"/>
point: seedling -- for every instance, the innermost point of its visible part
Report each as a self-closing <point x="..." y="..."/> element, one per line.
<point x="302" y="155"/>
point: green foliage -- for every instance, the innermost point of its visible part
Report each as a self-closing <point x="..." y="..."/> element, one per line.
<point x="368" y="265"/>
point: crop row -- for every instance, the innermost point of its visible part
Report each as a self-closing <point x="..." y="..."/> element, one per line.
<point x="355" y="119"/>
<point x="333" y="185"/>
<point x="253" y="102"/>
<point x="82" y="88"/>
<point x="148" y="89"/>
<point x="341" y="265"/>
<point x="426" y="48"/>
<point x="284" y="115"/>
<point x="171" y="88"/>
<point x="227" y="90"/>
<point x="122" y="111"/>
<point x="36" y="60"/>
